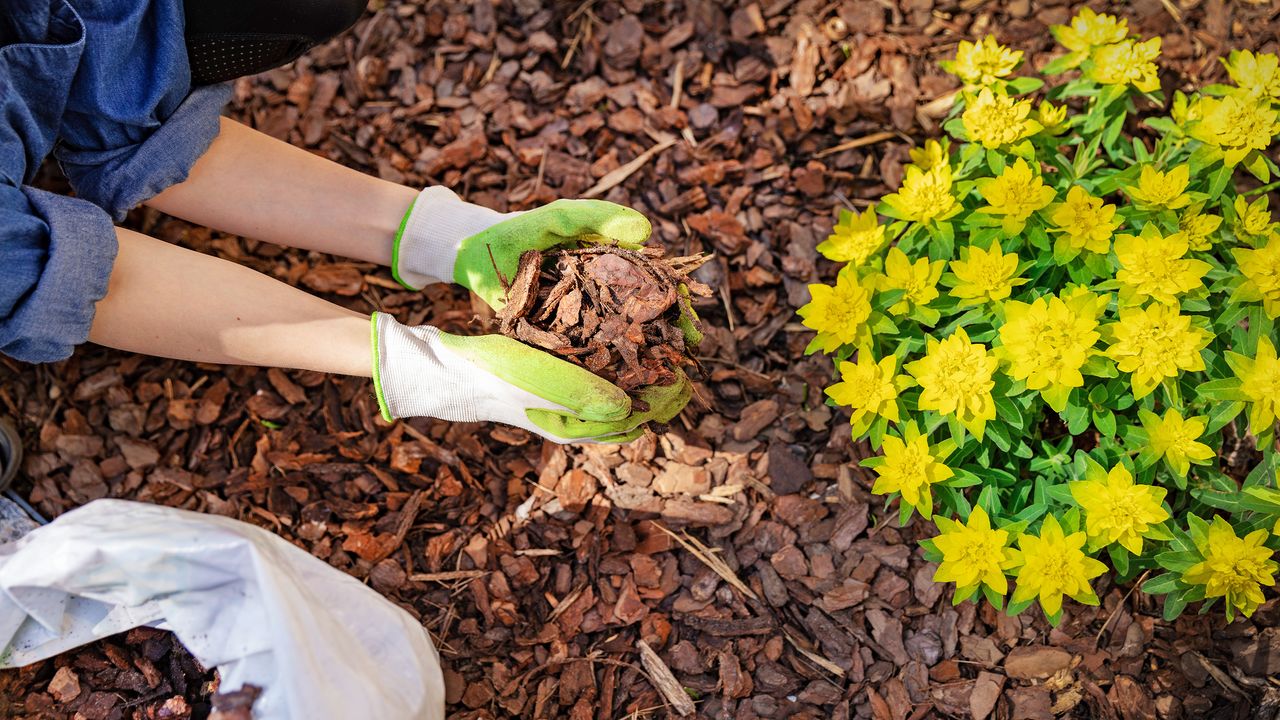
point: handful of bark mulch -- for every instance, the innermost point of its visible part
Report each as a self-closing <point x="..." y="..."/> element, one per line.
<point x="623" y="314"/>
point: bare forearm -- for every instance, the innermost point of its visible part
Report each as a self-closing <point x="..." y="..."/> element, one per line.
<point x="251" y="184"/>
<point x="172" y="302"/>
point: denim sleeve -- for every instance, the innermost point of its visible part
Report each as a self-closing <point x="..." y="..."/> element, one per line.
<point x="133" y="126"/>
<point x="56" y="253"/>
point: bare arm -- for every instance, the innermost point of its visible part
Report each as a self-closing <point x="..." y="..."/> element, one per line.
<point x="172" y="302"/>
<point x="253" y="185"/>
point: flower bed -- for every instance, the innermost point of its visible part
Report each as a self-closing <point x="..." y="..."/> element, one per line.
<point x="1068" y="322"/>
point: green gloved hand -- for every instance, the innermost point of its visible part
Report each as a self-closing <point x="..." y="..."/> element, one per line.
<point x="443" y="238"/>
<point x="423" y="372"/>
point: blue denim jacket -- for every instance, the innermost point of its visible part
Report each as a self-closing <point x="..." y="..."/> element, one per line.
<point x="105" y="86"/>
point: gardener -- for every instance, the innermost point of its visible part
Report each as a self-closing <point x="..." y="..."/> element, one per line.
<point x="126" y="95"/>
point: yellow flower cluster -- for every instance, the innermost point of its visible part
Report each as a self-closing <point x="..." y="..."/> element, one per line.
<point x="1013" y="195"/>
<point x="1234" y="568"/>
<point x="1047" y="342"/>
<point x="839" y="314"/>
<point x="854" y="239"/>
<point x="1086" y="223"/>
<point x="1154" y="343"/>
<point x="984" y="62"/>
<point x="1153" y="266"/>
<point x="955" y="377"/>
<point x="925" y="195"/>
<point x="1127" y="62"/>
<point x="997" y="121"/>
<point x="909" y="468"/>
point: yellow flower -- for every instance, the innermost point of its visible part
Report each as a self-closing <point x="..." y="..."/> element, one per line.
<point x="955" y="379"/>
<point x="1154" y="343"/>
<point x="983" y="275"/>
<point x="997" y="120"/>
<point x="909" y="468"/>
<point x="918" y="279"/>
<point x="1053" y="566"/>
<point x="1233" y="568"/>
<point x="1200" y="229"/>
<point x="1047" y="342"/>
<point x="1127" y="62"/>
<point x="983" y="62"/>
<point x="854" y="239"/>
<point x="1086" y="222"/>
<point x="1261" y="270"/>
<point x="1260" y="382"/>
<point x="1176" y="439"/>
<point x="1237" y="124"/>
<point x="1257" y="75"/>
<point x="1015" y="194"/>
<point x="1162" y="190"/>
<point x="870" y="388"/>
<point x="1052" y="117"/>
<point x="1153" y="266"/>
<point x="1089" y="30"/>
<point x="973" y="554"/>
<point x="930" y="156"/>
<point x="839" y="313"/>
<point x="924" y="195"/>
<point x="1115" y="509"/>
<point x="1253" y="220"/>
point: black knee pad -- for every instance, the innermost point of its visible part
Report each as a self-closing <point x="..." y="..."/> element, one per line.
<point x="227" y="39"/>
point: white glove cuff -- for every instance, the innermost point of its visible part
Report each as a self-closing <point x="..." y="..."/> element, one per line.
<point x="420" y="383"/>
<point x="426" y="246"/>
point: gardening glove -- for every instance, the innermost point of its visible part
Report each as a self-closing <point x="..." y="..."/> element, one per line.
<point x="446" y="239"/>
<point x="423" y="372"/>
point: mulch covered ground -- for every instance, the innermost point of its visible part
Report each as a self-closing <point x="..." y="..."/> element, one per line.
<point x="743" y="545"/>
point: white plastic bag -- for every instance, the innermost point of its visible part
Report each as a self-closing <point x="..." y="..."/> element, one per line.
<point x="319" y="643"/>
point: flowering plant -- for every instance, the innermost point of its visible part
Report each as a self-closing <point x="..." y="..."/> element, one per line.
<point x="1064" y="319"/>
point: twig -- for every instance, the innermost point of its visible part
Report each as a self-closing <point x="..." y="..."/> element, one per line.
<point x="703" y="553"/>
<point x="677" y="85"/>
<point x="1218" y="676"/>
<point x="863" y="141"/>
<point x="506" y="284"/>
<point x="664" y="681"/>
<point x="815" y="658"/>
<point x="449" y="575"/>
<point x="1098" y="638"/>
<point x="615" y="177"/>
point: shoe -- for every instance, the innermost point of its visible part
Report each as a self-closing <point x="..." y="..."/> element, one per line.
<point x="14" y="518"/>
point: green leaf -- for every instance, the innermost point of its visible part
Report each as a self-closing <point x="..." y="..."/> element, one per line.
<point x="1119" y="558"/>
<point x="1017" y="608"/>
<point x="1007" y="411"/>
<point x="999" y="435"/>
<point x="1256" y="163"/>
<point x="1077" y="419"/>
<point x="887" y="299"/>
<point x="1177" y="561"/>
<point x="1174" y="604"/>
<point x="1218" y="181"/>
<point x="1228" y="389"/>
<point x="996" y="599"/>
<point x="1105" y="421"/>
<point x="1024" y="85"/>
<point x="1223" y="413"/>
<point x="1161" y="584"/>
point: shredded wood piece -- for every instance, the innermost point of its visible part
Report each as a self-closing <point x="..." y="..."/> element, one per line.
<point x="664" y="681"/>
